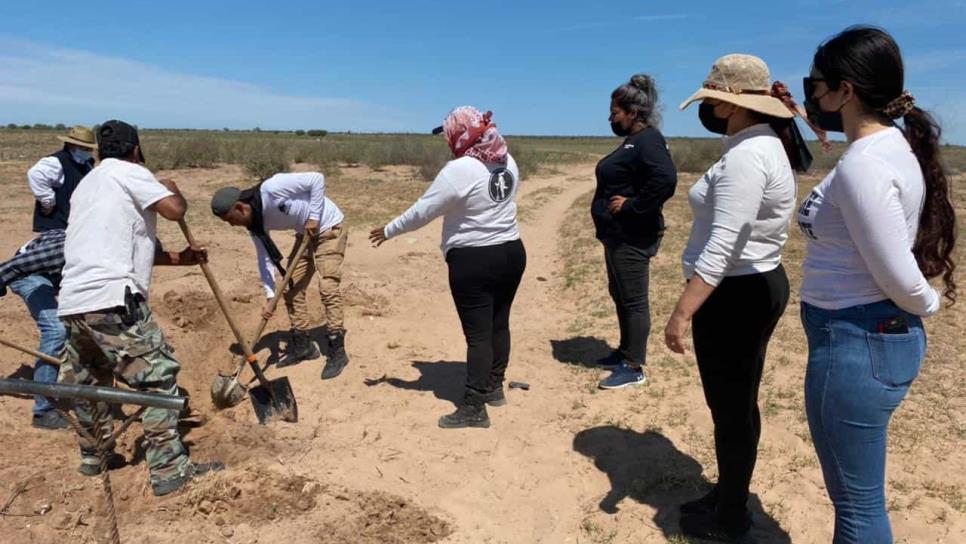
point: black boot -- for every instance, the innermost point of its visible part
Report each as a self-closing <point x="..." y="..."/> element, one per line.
<point x="301" y="348"/>
<point x="470" y="413"/>
<point x="496" y="397"/>
<point x="337" y="358"/>
<point x="719" y="526"/>
<point x="703" y="505"/>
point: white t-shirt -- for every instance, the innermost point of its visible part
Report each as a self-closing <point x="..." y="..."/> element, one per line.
<point x="111" y="237"/>
<point x="288" y="202"/>
<point x="476" y="200"/>
<point x="742" y="208"/>
<point x="861" y="221"/>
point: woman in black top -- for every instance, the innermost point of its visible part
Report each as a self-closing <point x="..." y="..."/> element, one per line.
<point x="633" y="183"/>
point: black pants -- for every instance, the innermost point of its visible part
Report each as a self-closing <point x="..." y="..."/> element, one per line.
<point x="731" y="333"/>
<point x="483" y="281"/>
<point x="628" y="275"/>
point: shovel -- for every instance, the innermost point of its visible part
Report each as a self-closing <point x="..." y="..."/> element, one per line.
<point x="226" y="390"/>
<point x="269" y="398"/>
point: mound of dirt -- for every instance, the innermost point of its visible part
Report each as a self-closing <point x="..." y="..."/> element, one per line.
<point x="190" y="309"/>
<point x="256" y="496"/>
<point x="371" y="304"/>
<point x="380" y="518"/>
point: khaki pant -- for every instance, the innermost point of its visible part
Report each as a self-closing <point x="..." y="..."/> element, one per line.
<point x="327" y="254"/>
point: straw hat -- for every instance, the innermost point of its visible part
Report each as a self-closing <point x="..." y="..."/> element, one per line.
<point x="742" y="80"/>
<point x="80" y="135"/>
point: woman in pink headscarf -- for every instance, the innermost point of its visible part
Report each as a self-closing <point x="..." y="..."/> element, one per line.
<point x="475" y="194"/>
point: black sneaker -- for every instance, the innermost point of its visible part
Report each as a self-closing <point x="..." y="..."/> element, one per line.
<point x="337" y="359"/>
<point x="90" y="464"/>
<point x="709" y="527"/>
<point x="496" y="397"/>
<point x="49" y="420"/>
<point x="703" y="505"/>
<point x="301" y="348"/>
<point x="466" y="415"/>
<point x="193" y="471"/>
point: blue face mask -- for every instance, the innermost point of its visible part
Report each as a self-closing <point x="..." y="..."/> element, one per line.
<point x="81" y="155"/>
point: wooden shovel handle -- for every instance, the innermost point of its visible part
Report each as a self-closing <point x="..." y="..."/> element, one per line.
<point x="42" y="356"/>
<point x="246" y="349"/>
<point x="264" y="322"/>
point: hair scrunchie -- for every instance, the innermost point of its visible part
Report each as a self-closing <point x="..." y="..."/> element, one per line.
<point x="900" y="106"/>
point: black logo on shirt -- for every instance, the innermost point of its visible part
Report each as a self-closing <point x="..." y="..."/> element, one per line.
<point x="805" y="215"/>
<point x="501" y="184"/>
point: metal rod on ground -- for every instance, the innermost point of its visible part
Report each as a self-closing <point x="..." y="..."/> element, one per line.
<point x="92" y="393"/>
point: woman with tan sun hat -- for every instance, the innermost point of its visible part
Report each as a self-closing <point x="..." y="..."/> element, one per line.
<point x="737" y="288"/>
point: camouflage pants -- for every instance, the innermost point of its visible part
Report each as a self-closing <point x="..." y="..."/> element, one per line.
<point x="327" y="253"/>
<point x="128" y="346"/>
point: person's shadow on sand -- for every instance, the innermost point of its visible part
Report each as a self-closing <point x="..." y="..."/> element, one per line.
<point x="446" y="379"/>
<point x="580" y="350"/>
<point x="649" y="469"/>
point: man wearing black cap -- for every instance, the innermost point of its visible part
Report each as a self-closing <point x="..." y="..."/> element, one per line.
<point x="109" y="253"/>
<point x="296" y="202"/>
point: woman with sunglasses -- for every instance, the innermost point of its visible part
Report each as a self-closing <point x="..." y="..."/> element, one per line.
<point x="879" y="227"/>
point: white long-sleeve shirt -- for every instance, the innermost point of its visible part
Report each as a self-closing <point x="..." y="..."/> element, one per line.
<point x="742" y="208"/>
<point x="861" y="221"/>
<point x="43" y="177"/>
<point x="477" y="202"/>
<point x="288" y="202"/>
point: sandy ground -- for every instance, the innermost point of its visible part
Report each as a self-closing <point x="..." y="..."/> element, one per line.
<point x="367" y="463"/>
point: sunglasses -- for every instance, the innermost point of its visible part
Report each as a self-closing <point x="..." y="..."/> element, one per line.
<point x="808" y="85"/>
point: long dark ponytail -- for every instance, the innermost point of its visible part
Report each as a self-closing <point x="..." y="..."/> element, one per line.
<point x="869" y="59"/>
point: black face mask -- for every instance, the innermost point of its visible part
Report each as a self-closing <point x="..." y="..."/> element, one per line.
<point x="618" y="130"/>
<point x="710" y="121"/>
<point x="830" y="121"/>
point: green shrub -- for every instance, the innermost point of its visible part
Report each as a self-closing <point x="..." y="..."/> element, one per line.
<point x="318" y="133"/>
<point x="263" y="160"/>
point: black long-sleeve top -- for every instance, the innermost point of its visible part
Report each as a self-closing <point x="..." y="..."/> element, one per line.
<point x="642" y="171"/>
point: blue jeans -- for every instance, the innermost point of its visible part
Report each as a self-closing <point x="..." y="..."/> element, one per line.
<point x="857" y="376"/>
<point x="39" y="295"/>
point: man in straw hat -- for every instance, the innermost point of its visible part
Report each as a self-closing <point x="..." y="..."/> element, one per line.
<point x="34" y="271"/>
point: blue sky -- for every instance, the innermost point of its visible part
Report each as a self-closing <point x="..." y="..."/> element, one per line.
<point x="542" y="67"/>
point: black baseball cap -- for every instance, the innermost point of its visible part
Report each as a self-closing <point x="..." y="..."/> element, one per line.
<point x="112" y="134"/>
<point x="438" y="130"/>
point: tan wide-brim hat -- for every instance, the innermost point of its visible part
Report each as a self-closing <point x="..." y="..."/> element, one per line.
<point x="81" y="136"/>
<point x="742" y="80"/>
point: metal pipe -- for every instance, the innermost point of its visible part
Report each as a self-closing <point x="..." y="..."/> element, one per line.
<point x="92" y="393"/>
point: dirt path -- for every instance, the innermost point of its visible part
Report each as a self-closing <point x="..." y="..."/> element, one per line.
<point x="367" y="463"/>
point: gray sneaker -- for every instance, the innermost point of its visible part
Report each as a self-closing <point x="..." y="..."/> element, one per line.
<point x="49" y="420"/>
<point x="622" y="376"/>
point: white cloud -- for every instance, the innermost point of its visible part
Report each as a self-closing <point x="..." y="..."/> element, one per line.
<point x="46" y="84"/>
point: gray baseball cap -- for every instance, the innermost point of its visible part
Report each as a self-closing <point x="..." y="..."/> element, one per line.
<point x="224" y="199"/>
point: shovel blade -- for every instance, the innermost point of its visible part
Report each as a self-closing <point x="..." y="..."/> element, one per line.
<point x="227" y="392"/>
<point x="278" y="402"/>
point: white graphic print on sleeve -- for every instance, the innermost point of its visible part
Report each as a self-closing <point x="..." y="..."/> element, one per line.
<point x="501" y="184"/>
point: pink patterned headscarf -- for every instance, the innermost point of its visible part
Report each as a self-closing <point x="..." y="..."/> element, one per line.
<point x="472" y="133"/>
